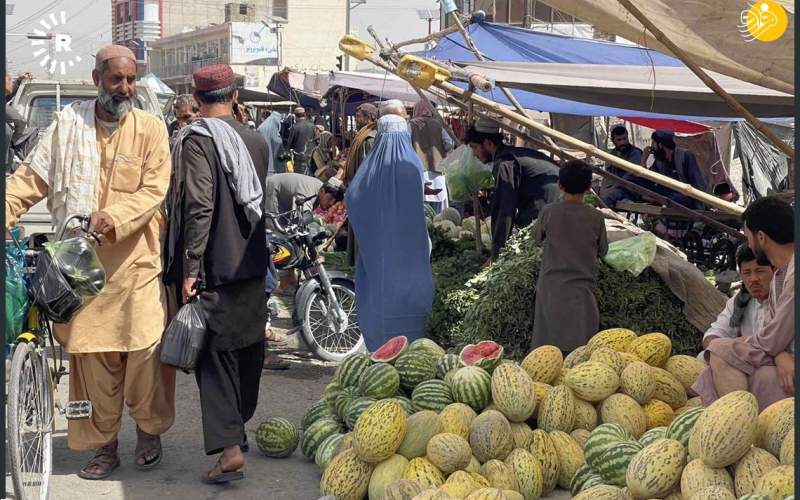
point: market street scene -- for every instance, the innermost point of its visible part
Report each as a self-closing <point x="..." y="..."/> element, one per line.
<point x="384" y="250"/>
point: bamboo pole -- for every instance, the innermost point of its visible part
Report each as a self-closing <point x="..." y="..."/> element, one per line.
<point x="687" y="60"/>
<point x="429" y="38"/>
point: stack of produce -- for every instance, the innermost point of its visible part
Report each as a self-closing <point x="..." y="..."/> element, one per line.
<point x="613" y="420"/>
<point x="456" y="228"/>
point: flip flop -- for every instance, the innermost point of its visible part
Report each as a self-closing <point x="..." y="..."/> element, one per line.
<point x="223" y="477"/>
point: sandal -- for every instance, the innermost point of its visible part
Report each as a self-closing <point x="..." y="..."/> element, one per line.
<point x="146" y="444"/>
<point x="105" y="459"/>
<point x="223" y="477"/>
<point x="275" y="340"/>
<point x="274" y="362"/>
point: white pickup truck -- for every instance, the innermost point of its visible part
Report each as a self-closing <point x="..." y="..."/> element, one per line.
<point x="39" y="100"/>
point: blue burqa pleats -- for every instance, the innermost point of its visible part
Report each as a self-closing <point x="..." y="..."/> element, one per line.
<point x="394" y="284"/>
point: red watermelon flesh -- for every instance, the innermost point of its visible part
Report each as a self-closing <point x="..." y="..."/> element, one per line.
<point x="486" y="354"/>
<point x="391" y="350"/>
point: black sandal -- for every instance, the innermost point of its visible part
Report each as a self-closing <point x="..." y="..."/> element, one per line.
<point x="106" y="459"/>
<point x="224" y="477"/>
<point x="145" y="444"/>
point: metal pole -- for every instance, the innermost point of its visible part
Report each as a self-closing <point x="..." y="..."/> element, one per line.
<point x="347" y="32"/>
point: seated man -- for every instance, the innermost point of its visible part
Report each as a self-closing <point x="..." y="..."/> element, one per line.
<point x="281" y="190"/>
<point x="678" y="163"/>
<point x="610" y="191"/>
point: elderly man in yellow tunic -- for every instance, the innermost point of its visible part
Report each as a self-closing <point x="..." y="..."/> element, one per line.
<point x="106" y="158"/>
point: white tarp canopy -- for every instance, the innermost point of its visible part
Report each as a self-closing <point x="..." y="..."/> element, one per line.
<point x="708" y="30"/>
<point x="656" y="89"/>
<point x="382" y="85"/>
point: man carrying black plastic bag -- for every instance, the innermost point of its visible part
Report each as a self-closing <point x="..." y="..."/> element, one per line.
<point x="217" y="237"/>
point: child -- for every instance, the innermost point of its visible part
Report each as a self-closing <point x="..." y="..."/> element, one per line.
<point x="574" y="236"/>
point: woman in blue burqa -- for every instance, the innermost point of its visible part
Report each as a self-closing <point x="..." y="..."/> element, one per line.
<point x="394" y="284"/>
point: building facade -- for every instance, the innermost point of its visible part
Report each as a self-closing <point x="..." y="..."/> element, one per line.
<point x="135" y="24"/>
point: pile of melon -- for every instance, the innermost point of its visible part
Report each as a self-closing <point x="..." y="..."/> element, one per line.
<point x="456" y="228"/>
<point x="612" y="420"/>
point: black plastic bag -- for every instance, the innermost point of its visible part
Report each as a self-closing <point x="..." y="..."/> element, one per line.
<point x="52" y="292"/>
<point x="184" y="337"/>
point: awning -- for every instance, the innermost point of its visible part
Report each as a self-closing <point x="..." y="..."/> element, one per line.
<point x="249" y="94"/>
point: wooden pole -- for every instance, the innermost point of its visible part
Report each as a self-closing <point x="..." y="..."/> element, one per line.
<point x="687" y="60"/>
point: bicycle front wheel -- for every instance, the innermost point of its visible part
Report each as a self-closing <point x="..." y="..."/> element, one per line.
<point x="30" y="422"/>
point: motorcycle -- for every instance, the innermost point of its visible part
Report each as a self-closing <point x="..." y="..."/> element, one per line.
<point x="325" y="301"/>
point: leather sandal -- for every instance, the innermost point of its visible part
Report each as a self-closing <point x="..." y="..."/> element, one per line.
<point x="146" y="444"/>
<point x="222" y="476"/>
<point x="106" y="459"/>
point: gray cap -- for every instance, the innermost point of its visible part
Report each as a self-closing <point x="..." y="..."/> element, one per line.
<point x="299" y="110"/>
<point x="486" y="126"/>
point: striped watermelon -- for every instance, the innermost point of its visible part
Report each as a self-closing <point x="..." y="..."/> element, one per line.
<point x="326" y="450"/>
<point x="379" y="381"/>
<point x="427" y="345"/>
<point x="681" y="428"/>
<point x="652" y="436"/>
<point x="350" y="369"/>
<point x="614" y="462"/>
<point x="331" y="392"/>
<point x="407" y="404"/>
<point x="355" y="409"/>
<point x="473" y="387"/>
<point x="277" y="437"/>
<point x="414" y="367"/>
<point x="582" y="477"/>
<point x="315" y="412"/>
<point x="432" y="395"/>
<point x="316" y="434"/>
<point x="486" y="354"/>
<point x="391" y="350"/>
<point x="602" y="438"/>
<point x="446" y="363"/>
<point x="344" y="398"/>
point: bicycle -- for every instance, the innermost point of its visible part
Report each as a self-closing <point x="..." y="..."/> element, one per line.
<point x="34" y="378"/>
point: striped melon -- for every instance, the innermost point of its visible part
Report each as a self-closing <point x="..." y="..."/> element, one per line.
<point x="542" y="390"/>
<point x="580" y="436"/>
<point x="777" y="483"/>
<point x="653" y="435"/>
<point x="613" y="463"/>
<point x="603" y="438"/>
<point x="327" y="450"/>
<point x="601" y="492"/>
<point x="774" y="423"/>
<point x="592" y="381"/>
<point x="346" y="477"/>
<point x="578" y="356"/>
<point x="543" y="448"/>
<point x="386" y="473"/>
<point x="695" y="401"/>
<point x="726" y="430"/>
<point x="390" y="350"/>
<point x="684" y="368"/>
<point x="465" y="482"/>
<point x="456" y="418"/>
<point x="681" y="428"/>
<point x="582" y="476"/>
<point x="652" y="348"/>
<point x="615" y="338"/>
<point x="415" y="366"/>
<point x="629" y="358"/>
<point x="486" y="354"/>
<point x="751" y="468"/>
<point x="350" y="369"/>
<point x="787" y="449"/>
<point x="712" y="493"/>
<point x="527" y="471"/>
<point x="422" y="426"/>
<point x="355" y="409"/>
<point x="521" y="434"/>
<point x="330" y="394"/>
<point x="343" y="400"/>
<point x="500" y="475"/>
<point x="608" y="357"/>
<point x="277" y="437"/>
<point x="513" y="392"/>
<point x="315" y="412"/>
<point x="656" y="470"/>
<point x="344" y="444"/>
<point x="585" y="415"/>
<point x="624" y="410"/>
<point x="514" y="495"/>
<point x="490" y="436"/>
<point x="543" y="364"/>
<point x="445" y="364"/>
<point x="557" y="410"/>
<point x="379" y="381"/>
<point x="487" y="494"/>
<point x="668" y="389"/>
<point x="448" y="452"/>
<point x="560" y="379"/>
<point x="697" y="475"/>
<point x="570" y="457"/>
<point x="407" y="404"/>
<point x="422" y="470"/>
<point x="379" y="431"/>
<point x="432" y="394"/>
<point x="638" y="381"/>
<point x="402" y="489"/>
<point x="658" y="413"/>
<point x="427" y="346"/>
<point x="317" y="433"/>
<point x="472" y="386"/>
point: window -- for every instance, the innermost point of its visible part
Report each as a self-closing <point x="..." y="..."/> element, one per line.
<point x="280" y="8"/>
<point x="243" y="8"/>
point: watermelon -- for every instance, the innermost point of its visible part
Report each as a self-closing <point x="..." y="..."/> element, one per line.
<point x="277" y="437"/>
<point x="582" y="476"/>
<point x="652" y="436"/>
<point x="326" y="450"/>
<point x="486" y="354"/>
<point x="379" y="381"/>
<point x="414" y="367"/>
<point x="601" y="439"/>
<point x="350" y="369"/>
<point x="472" y="386"/>
<point x="315" y="412"/>
<point x="344" y="398"/>
<point x="614" y="462"/>
<point x="407" y="404"/>
<point x="681" y="428"/>
<point x="427" y="345"/>
<point x="331" y="392"/>
<point x="432" y="395"/>
<point x="355" y="409"/>
<point x="317" y="433"/>
<point x="445" y="364"/>
<point x="391" y="350"/>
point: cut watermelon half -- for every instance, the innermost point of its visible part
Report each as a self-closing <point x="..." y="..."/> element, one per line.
<point x="486" y="354"/>
<point x="391" y="350"/>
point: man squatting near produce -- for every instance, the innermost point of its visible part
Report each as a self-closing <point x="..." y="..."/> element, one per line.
<point x="217" y="237"/>
<point x="116" y="167"/>
<point x="762" y="363"/>
<point x="525" y="181"/>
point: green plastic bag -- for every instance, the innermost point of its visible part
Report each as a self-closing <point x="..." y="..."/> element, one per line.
<point x="633" y="254"/>
<point x="16" y="292"/>
<point x="465" y="175"/>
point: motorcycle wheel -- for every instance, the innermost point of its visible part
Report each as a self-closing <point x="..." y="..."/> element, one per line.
<point x="319" y="327"/>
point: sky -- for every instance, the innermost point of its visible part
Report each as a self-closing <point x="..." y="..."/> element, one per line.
<point x="88" y="23"/>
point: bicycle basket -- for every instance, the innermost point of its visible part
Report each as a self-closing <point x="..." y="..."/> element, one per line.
<point x="52" y="292"/>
